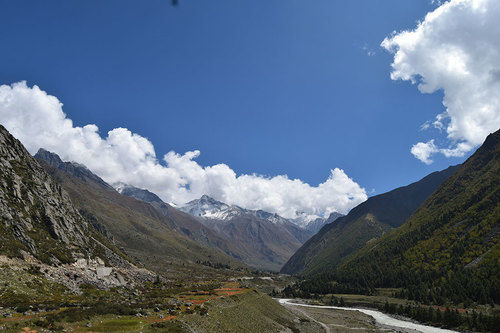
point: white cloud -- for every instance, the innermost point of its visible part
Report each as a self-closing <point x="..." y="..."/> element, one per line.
<point x="456" y="49"/>
<point x="423" y="151"/>
<point x="38" y="121"/>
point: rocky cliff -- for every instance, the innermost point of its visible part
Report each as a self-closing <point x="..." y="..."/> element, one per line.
<point x="37" y="215"/>
<point x="41" y="227"/>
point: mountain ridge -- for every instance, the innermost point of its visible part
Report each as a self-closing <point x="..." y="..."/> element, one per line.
<point x="367" y="221"/>
<point x="448" y="250"/>
<point x="267" y="239"/>
<point x="141" y="229"/>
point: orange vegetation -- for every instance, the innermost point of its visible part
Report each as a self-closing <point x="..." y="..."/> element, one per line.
<point x="28" y="330"/>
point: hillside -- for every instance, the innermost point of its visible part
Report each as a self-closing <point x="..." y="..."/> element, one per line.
<point x="42" y="233"/>
<point x="366" y="222"/>
<point x="448" y="250"/>
<point x="136" y="226"/>
<point x="38" y="218"/>
<point x="264" y="240"/>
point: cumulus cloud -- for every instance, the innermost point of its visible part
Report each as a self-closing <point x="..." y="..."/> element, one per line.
<point x="423" y="151"/>
<point x="456" y="49"/>
<point x="38" y="121"/>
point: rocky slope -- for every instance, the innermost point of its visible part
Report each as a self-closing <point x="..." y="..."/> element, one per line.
<point x="38" y="216"/>
<point x="368" y="221"/>
<point x="41" y="226"/>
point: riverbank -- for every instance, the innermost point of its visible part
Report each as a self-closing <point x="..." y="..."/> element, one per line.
<point x="331" y="319"/>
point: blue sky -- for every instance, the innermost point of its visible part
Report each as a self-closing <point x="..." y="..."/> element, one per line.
<point x="267" y="87"/>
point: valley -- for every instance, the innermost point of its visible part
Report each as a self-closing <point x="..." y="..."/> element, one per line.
<point x="444" y="257"/>
<point x="31" y="302"/>
<point x="250" y="166"/>
<point x="79" y="255"/>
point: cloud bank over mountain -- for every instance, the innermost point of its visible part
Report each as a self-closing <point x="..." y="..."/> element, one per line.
<point x="456" y="49"/>
<point x="38" y="120"/>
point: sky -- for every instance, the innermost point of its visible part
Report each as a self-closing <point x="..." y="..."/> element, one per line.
<point x="289" y="106"/>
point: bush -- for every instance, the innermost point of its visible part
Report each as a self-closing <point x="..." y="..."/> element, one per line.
<point x="76" y="314"/>
<point x="22" y="308"/>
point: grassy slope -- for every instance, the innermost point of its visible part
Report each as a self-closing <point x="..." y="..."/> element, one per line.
<point x="250" y="312"/>
<point x="340" y="241"/>
<point x="367" y="221"/>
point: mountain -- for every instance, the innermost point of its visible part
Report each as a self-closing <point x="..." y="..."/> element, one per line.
<point x="265" y="240"/>
<point x="77" y="170"/>
<point x="182" y="222"/>
<point x="58" y="271"/>
<point x="162" y="243"/>
<point x="209" y="208"/>
<point x="447" y="250"/>
<point x="364" y="223"/>
<point x="37" y="215"/>
<point x="40" y="226"/>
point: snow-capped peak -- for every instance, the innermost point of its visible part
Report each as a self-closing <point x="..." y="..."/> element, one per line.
<point x="208" y="207"/>
<point x="304" y="219"/>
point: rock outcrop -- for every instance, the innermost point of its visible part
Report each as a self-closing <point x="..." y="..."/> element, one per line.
<point x="37" y="216"/>
<point x="36" y="213"/>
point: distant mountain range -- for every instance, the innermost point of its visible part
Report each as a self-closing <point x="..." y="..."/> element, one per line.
<point x="266" y="239"/>
<point x="364" y="223"/>
<point x="209" y="208"/>
<point x="258" y="238"/>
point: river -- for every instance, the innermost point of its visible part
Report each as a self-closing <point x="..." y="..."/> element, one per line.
<point x="380" y="318"/>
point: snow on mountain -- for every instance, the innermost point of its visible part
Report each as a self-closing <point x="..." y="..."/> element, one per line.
<point x="209" y="208"/>
<point x="304" y="219"/>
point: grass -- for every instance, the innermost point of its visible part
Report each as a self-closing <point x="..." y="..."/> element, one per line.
<point x="209" y="306"/>
<point x="116" y="325"/>
<point x="149" y="307"/>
